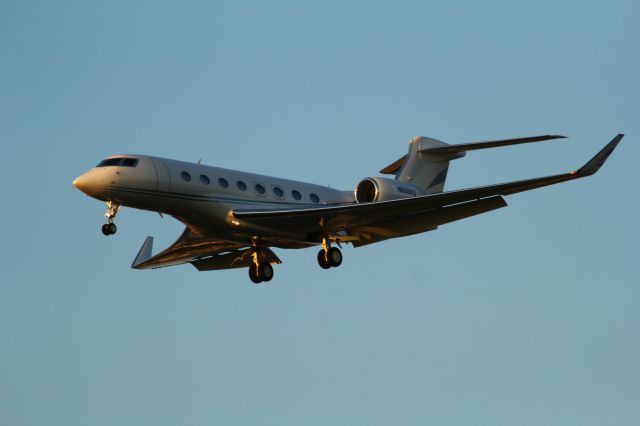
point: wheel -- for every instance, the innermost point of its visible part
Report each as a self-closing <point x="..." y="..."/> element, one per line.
<point x="335" y="256"/>
<point x="322" y="261"/>
<point x="253" y="275"/>
<point x="112" y="228"/>
<point x="105" y="229"/>
<point x="266" y="271"/>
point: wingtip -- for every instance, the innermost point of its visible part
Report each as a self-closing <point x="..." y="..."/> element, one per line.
<point x="600" y="158"/>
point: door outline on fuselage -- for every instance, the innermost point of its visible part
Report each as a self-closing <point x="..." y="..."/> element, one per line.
<point x="163" y="175"/>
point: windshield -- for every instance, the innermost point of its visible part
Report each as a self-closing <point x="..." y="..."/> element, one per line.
<point x="119" y="161"/>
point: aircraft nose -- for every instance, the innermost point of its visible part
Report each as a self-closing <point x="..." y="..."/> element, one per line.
<point x="85" y="184"/>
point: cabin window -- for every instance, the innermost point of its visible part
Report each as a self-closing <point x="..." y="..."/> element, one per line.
<point x="314" y="198"/>
<point x="205" y="180"/>
<point x="296" y="195"/>
<point x="241" y="185"/>
<point x="260" y="189"/>
<point x="223" y="183"/>
<point x="186" y="176"/>
<point x="277" y="192"/>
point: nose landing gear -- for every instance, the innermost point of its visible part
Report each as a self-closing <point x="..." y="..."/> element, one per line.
<point x="110" y="228"/>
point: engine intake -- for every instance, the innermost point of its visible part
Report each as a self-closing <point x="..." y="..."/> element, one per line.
<point x="374" y="189"/>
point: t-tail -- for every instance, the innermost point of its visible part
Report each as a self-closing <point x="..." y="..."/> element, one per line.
<point x="427" y="163"/>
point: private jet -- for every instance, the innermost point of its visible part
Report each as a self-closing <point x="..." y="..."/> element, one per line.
<point x="233" y="219"/>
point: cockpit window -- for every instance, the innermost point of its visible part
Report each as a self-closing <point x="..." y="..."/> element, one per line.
<point x="119" y="161"/>
<point x="110" y="162"/>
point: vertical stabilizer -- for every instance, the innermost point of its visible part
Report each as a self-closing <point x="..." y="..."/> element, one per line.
<point x="426" y="170"/>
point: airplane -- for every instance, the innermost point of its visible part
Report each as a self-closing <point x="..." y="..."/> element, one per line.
<point x="233" y="219"/>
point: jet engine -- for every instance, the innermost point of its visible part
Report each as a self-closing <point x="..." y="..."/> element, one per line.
<point x="373" y="189"/>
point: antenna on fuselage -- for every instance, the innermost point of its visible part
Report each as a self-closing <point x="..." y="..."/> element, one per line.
<point x="199" y="161"/>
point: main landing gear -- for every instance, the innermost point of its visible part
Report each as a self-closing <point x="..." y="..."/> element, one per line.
<point x="260" y="271"/>
<point x="329" y="256"/>
<point x="110" y="228"/>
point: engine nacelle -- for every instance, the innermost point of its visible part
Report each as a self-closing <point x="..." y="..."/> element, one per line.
<point x="382" y="189"/>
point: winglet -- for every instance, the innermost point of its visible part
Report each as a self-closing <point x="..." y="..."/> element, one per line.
<point x="144" y="254"/>
<point x="598" y="160"/>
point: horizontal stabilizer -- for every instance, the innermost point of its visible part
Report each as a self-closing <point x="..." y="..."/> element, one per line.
<point x="393" y="168"/>
<point x="458" y="150"/>
<point x="145" y="252"/>
<point x="463" y="147"/>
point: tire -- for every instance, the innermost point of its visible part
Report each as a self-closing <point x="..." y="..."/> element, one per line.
<point x="253" y="275"/>
<point x="112" y="228"/>
<point x="322" y="261"/>
<point x="105" y="229"/>
<point x="266" y="272"/>
<point x="335" y="257"/>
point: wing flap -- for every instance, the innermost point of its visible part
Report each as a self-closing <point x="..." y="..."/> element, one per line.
<point x="425" y="221"/>
<point x="235" y="259"/>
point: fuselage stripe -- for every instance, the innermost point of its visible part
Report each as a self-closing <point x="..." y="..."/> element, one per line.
<point x="204" y="198"/>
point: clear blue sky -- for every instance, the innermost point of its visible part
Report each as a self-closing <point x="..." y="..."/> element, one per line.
<point x="527" y="315"/>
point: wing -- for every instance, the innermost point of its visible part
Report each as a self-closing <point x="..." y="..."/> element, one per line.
<point x="202" y="252"/>
<point x="356" y="216"/>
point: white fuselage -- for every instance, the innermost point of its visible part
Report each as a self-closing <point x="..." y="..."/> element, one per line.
<point x="233" y="218"/>
<point x="198" y="195"/>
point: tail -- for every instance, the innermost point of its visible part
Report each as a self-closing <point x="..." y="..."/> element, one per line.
<point x="427" y="163"/>
<point x="424" y="169"/>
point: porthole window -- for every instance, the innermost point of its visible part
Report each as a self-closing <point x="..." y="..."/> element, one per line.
<point x="241" y="185"/>
<point x="223" y="183"/>
<point x="314" y="198"/>
<point x="205" y="180"/>
<point x="260" y="189"/>
<point x="296" y="195"/>
<point x="186" y="176"/>
<point x="277" y="192"/>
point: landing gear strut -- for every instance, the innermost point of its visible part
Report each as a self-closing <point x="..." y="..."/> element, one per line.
<point x="110" y="228"/>
<point x="260" y="271"/>
<point x="329" y="256"/>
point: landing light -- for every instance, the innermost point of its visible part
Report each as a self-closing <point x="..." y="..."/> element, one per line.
<point x="235" y="222"/>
